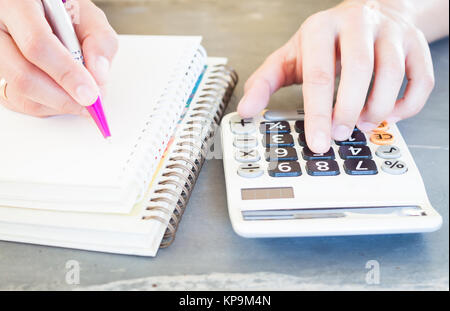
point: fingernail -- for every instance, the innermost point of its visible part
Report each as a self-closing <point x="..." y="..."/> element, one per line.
<point x="341" y="132"/>
<point x="86" y="96"/>
<point x="366" y="126"/>
<point x="102" y="69"/>
<point x="320" y="143"/>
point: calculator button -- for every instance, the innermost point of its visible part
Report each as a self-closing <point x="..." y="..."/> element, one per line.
<point x="382" y="138"/>
<point x="357" y="138"/>
<point x="355" y="152"/>
<point x="300" y="126"/>
<point x="284" y="169"/>
<point x="247" y="155"/>
<point x="309" y="155"/>
<point x="388" y="152"/>
<point x="394" y="167"/>
<point x="245" y="142"/>
<point x="278" y="140"/>
<point x="241" y="126"/>
<point x="250" y="170"/>
<point x="302" y="139"/>
<point x="384" y="126"/>
<point x="281" y="154"/>
<point x="274" y="127"/>
<point x="322" y="168"/>
<point x="360" y="167"/>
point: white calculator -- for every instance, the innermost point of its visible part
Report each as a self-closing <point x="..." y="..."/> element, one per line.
<point x="277" y="187"/>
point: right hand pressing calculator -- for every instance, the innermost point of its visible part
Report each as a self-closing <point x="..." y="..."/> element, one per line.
<point x="277" y="187"/>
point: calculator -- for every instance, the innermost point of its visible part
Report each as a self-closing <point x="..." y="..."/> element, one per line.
<point x="277" y="187"/>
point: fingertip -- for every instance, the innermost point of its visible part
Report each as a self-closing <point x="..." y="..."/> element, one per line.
<point x="319" y="142"/>
<point x="366" y="127"/>
<point x="341" y="132"/>
<point x="246" y="110"/>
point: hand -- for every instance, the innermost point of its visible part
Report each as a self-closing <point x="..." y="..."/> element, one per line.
<point x="43" y="79"/>
<point x="364" y="38"/>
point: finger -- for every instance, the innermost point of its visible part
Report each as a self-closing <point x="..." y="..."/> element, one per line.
<point x="318" y="61"/>
<point x="419" y="72"/>
<point x="281" y="68"/>
<point x="98" y="40"/>
<point x="33" y="35"/>
<point x="357" y="59"/>
<point x="389" y="74"/>
<point x="26" y="106"/>
<point x="26" y="80"/>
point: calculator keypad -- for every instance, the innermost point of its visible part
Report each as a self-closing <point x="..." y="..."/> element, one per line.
<point x="274" y="127"/>
<point x="250" y="170"/>
<point x="281" y="154"/>
<point x="355" y="152"/>
<point x="322" y="168"/>
<point x="388" y="152"/>
<point x="309" y="155"/>
<point x="284" y="169"/>
<point x="299" y="126"/>
<point x="357" y="138"/>
<point x="278" y="140"/>
<point x="247" y="155"/>
<point x="353" y="156"/>
<point x="242" y="126"/>
<point x="245" y="142"/>
<point x="394" y="167"/>
<point x="382" y="138"/>
<point x="360" y="167"/>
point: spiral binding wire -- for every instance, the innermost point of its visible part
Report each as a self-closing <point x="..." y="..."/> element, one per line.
<point x="146" y="152"/>
<point x="186" y="159"/>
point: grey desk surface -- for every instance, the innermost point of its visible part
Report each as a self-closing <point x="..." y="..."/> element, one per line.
<point x="207" y="254"/>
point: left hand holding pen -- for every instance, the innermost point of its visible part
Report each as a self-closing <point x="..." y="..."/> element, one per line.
<point x="42" y="77"/>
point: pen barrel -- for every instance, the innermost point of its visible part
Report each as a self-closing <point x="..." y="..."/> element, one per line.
<point x="61" y="24"/>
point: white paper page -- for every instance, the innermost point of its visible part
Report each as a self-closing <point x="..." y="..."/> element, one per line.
<point x="69" y="150"/>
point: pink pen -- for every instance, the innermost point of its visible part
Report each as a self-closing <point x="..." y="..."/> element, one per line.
<point x="61" y="24"/>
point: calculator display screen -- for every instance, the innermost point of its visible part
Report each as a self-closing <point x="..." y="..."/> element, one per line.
<point x="267" y="193"/>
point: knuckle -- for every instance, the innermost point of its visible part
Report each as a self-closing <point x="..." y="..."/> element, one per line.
<point x="33" y="46"/>
<point x="395" y="70"/>
<point x="66" y="74"/>
<point x="317" y="77"/>
<point x="361" y="63"/>
<point x="24" y="82"/>
<point x="428" y="81"/>
<point x="315" y="21"/>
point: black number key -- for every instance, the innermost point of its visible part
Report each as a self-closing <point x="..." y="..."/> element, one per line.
<point x="322" y="168"/>
<point x="357" y="138"/>
<point x="281" y="154"/>
<point x="284" y="169"/>
<point x="309" y="155"/>
<point x="274" y="127"/>
<point x="355" y="152"/>
<point x="302" y="139"/>
<point x="278" y="140"/>
<point x="360" y="167"/>
<point x="300" y="126"/>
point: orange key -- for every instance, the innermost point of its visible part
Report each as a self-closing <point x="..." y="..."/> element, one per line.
<point x="382" y="138"/>
<point x="383" y="127"/>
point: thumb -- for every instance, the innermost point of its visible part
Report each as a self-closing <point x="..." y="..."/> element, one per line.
<point x="281" y="68"/>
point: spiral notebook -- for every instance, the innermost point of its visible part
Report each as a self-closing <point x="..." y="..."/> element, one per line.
<point x="62" y="184"/>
